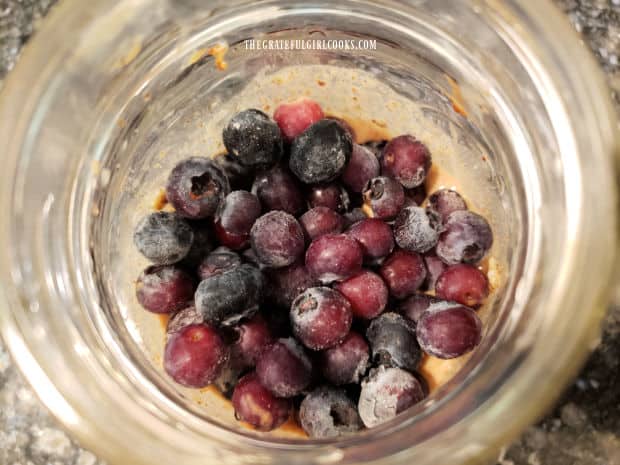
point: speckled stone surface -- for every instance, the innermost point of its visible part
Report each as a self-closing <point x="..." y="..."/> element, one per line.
<point x="584" y="428"/>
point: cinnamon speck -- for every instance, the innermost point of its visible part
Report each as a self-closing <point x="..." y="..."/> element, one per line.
<point x="160" y="201"/>
<point x="321" y="83"/>
<point x="218" y="51"/>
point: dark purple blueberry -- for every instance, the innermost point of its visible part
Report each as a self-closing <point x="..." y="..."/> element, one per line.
<point x="354" y="216"/>
<point x="182" y="318"/>
<point x="346" y="362"/>
<point x="284" y="368"/>
<point x="295" y="117"/>
<point x="231" y="240"/>
<point x="321" y="317"/>
<point x="466" y="237"/>
<point x="393" y="342"/>
<point x="277" y="239"/>
<point x="413" y="306"/>
<point x="195" y="355"/>
<point x="376" y="147"/>
<point x="366" y="292"/>
<point x="196" y="186"/>
<point x="235" y="217"/>
<point x="445" y="201"/>
<point x="165" y="288"/>
<point x="403" y="272"/>
<point x="220" y="260"/>
<point x="277" y="189"/>
<point x="386" y="393"/>
<point x="203" y="243"/>
<point x="321" y="153"/>
<point x="407" y="160"/>
<point x="449" y="332"/>
<point x="320" y="221"/>
<point x="344" y="125"/>
<point x="164" y="238"/>
<point x="332" y="196"/>
<point x="257" y="406"/>
<point x="384" y="197"/>
<point x="415" y="230"/>
<point x="239" y="176"/>
<point x="434" y="267"/>
<point x="327" y="412"/>
<point x="253" y="138"/>
<point x="362" y="167"/>
<point x="334" y="257"/>
<point x="284" y="284"/>
<point x="225" y="298"/>
<point x="253" y="337"/>
<point x="464" y="284"/>
<point x="375" y="236"/>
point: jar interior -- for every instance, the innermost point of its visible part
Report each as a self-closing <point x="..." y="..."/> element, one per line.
<point x="168" y="100"/>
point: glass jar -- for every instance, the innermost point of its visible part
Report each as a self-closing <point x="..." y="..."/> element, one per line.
<point x="110" y="94"/>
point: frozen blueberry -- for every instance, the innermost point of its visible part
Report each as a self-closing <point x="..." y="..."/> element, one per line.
<point x="277" y="189"/>
<point x="235" y="217"/>
<point x="255" y="405"/>
<point x="253" y="138"/>
<point x="466" y="237"/>
<point x="225" y="298"/>
<point x="284" y="284"/>
<point x="386" y="393"/>
<point x="334" y="257"/>
<point x="252" y="338"/>
<point x="464" y="284"/>
<point x="195" y="355"/>
<point x="220" y="260"/>
<point x="393" y="342"/>
<point x="366" y="292"/>
<point x="277" y="239"/>
<point x="434" y="267"/>
<point x="449" y="331"/>
<point x="407" y="160"/>
<point x="284" y="368"/>
<point x="331" y="195"/>
<point x="203" y="243"/>
<point x="327" y="412"/>
<point x="346" y="362"/>
<point x="413" y="306"/>
<point x="239" y="176"/>
<point x="164" y="238"/>
<point x="196" y="186"/>
<point x="319" y="221"/>
<point x="415" y="230"/>
<point x="186" y="317"/>
<point x="384" y="198"/>
<point x="403" y="272"/>
<point x="165" y="288"/>
<point x="320" y="317"/>
<point x="445" y="201"/>
<point x="321" y="153"/>
<point x="362" y="167"/>
<point x="295" y="117"/>
<point x="344" y="125"/>
<point x="375" y="236"/>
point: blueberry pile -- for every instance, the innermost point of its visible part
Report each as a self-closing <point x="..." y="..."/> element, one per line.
<point x="302" y="274"/>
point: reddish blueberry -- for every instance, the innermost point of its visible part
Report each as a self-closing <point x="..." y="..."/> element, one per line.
<point x="295" y="117"/>
<point x="165" y="289"/>
<point x="404" y="272"/>
<point x="466" y="237"/>
<point x="332" y="196"/>
<point x="235" y="217"/>
<point x="319" y="221"/>
<point x="434" y="267"/>
<point x="362" y="167"/>
<point x="284" y="368"/>
<point x="186" y="317"/>
<point x="196" y="186"/>
<point x="321" y="317"/>
<point x="164" y="238"/>
<point x="334" y="257"/>
<point x="464" y="284"/>
<point x="284" y="284"/>
<point x="277" y="189"/>
<point x="366" y="292"/>
<point x="415" y="230"/>
<point x="346" y="362"/>
<point x="277" y="239"/>
<point x="449" y="332"/>
<point x="413" y="306"/>
<point x="407" y="160"/>
<point x="445" y="201"/>
<point x="393" y="342"/>
<point x="384" y="197"/>
<point x="375" y="236"/>
<point x="253" y="337"/>
<point x="327" y="412"/>
<point x="194" y="356"/>
<point x="255" y="405"/>
<point x="220" y="260"/>
<point x="386" y="393"/>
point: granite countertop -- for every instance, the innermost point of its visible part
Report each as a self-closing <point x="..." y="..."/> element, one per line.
<point x="583" y="429"/>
